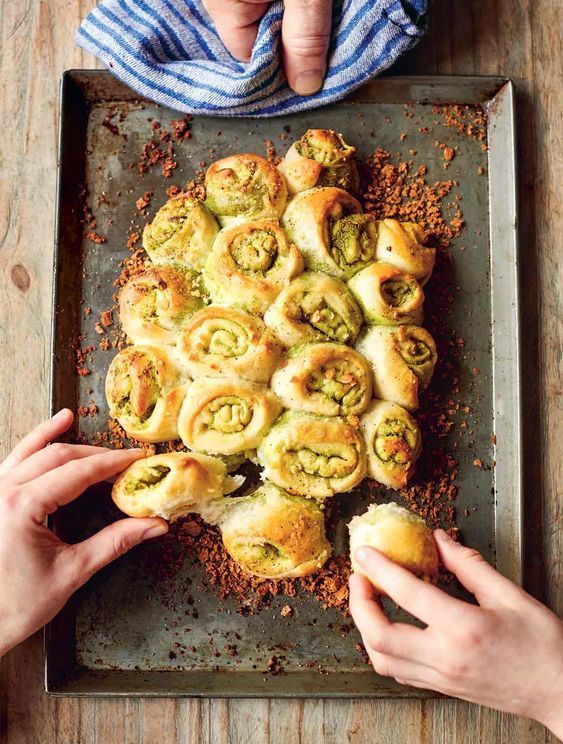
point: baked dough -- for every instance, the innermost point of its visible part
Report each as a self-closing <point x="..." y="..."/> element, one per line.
<point x="274" y="534"/>
<point x="155" y="304"/>
<point x="145" y="388"/>
<point x="398" y="533"/>
<point x="249" y="264"/>
<point x="393" y="443"/>
<point x="315" y="456"/>
<point x="325" y="378"/>
<point x="172" y="485"/>
<point x="245" y="187"/>
<point x="223" y="341"/>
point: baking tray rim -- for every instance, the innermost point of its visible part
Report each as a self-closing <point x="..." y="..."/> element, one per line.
<point x="498" y="94"/>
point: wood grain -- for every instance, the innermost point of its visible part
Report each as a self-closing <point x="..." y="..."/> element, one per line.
<point x="519" y="39"/>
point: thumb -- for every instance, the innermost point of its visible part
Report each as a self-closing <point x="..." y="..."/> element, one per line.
<point x="305" y="39"/>
<point x="476" y="575"/>
<point x="108" y="544"/>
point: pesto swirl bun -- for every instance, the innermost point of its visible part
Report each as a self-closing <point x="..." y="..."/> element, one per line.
<point x="249" y="264"/>
<point x="156" y="303"/>
<point x="325" y="378"/>
<point x="314" y="307"/>
<point x="245" y="187"/>
<point x="403" y="245"/>
<point x="328" y="227"/>
<point x="144" y="390"/>
<point x="312" y="455"/>
<point x="402" y="359"/>
<point x="320" y="157"/>
<point x="172" y="485"/>
<point x="400" y="535"/>
<point x="387" y="295"/>
<point x="182" y="231"/>
<point x="222" y="341"/>
<point x="274" y="534"/>
<point x="226" y="416"/>
<point x="393" y="443"/>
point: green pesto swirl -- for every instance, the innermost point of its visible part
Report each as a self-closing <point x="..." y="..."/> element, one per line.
<point x="353" y="242"/>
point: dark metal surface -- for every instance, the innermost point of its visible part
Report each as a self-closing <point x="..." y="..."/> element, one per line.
<point x="117" y="635"/>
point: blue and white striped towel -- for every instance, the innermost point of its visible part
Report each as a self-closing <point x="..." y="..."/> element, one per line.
<point x="169" y="51"/>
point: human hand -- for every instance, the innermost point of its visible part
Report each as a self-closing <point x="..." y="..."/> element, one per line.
<point x="39" y="572"/>
<point x="506" y="653"/>
<point x="305" y="36"/>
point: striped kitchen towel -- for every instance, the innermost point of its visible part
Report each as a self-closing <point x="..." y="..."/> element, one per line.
<point x="169" y="51"/>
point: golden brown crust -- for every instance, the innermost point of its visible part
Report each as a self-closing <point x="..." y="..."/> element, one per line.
<point x="245" y="187"/>
<point x="274" y="534"/>
<point x="170" y="485"/>
<point x="223" y="341"/>
<point x="320" y="158"/>
<point x="400" y="535"/>
<point x="403" y="244"/>
<point x="155" y="304"/>
<point x="249" y="264"/>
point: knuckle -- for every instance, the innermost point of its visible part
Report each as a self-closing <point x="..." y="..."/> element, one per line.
<point x="470" y="554"/>
<point x="59" y="452"/>
<point x="11" y="498"/>
<point x="456" y="668"/>
<point x="471" y="634"/>
<point x="308" y="46"/>
<point x="121" y="544"/>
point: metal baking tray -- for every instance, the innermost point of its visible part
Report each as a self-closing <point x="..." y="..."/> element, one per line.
<point x="115" y="636"/>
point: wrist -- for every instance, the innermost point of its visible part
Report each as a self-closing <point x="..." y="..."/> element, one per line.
<point x="550" y="711"/>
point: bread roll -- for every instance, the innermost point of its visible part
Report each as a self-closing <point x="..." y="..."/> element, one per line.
<point x="250" y="264"/>
<point x="172" y="485"/>
<point x="320" y="158"/>
<point x="393" y="443"/>
<point x="402" y="359"/>
<point x="325" y="378"/>
<point x="145" y="389"/>
<point x="154" y="305"/>
<point x="245" y="187"/>
<point x="398" y="533"/>
<point x="182" y="232"/>
<point x="403" y="245"/>
<point x="223" y="341"/>
<point x="313" y="455"/>
<point x="387" y="295"/>
<point x="314" y="307"/>
<point x="274" y="534"/>
<point x="223" y="416"/>
<point x="328" y="227"/>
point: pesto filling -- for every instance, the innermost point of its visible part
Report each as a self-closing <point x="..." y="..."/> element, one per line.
<point x="395" y="441"/>
<point x="326" y="147"/>
<point x="228" y="414"/>
<point x="353" y="241"/>
<point x="316" y="462"/>
<point x="336" y="383"/>
<point x="151" y="476"/>
<point x="415" y="354"/>
<point x="169" y="221"/>
<point x="229" y="341"/>
<point x="396" y="292"/>
<point x="317" y="313"/>
<point x="254" y="252"/>
<point x="237" y="191"/>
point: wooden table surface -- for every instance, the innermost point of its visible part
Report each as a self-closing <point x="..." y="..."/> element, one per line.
<point x="518" y="38"/>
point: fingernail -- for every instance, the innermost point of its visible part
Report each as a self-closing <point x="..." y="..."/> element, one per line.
<point x="308" y="82"/>
<point x="157" y="531"/>
<point x="61" y="414"/>
<point x="361" y="555"/>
